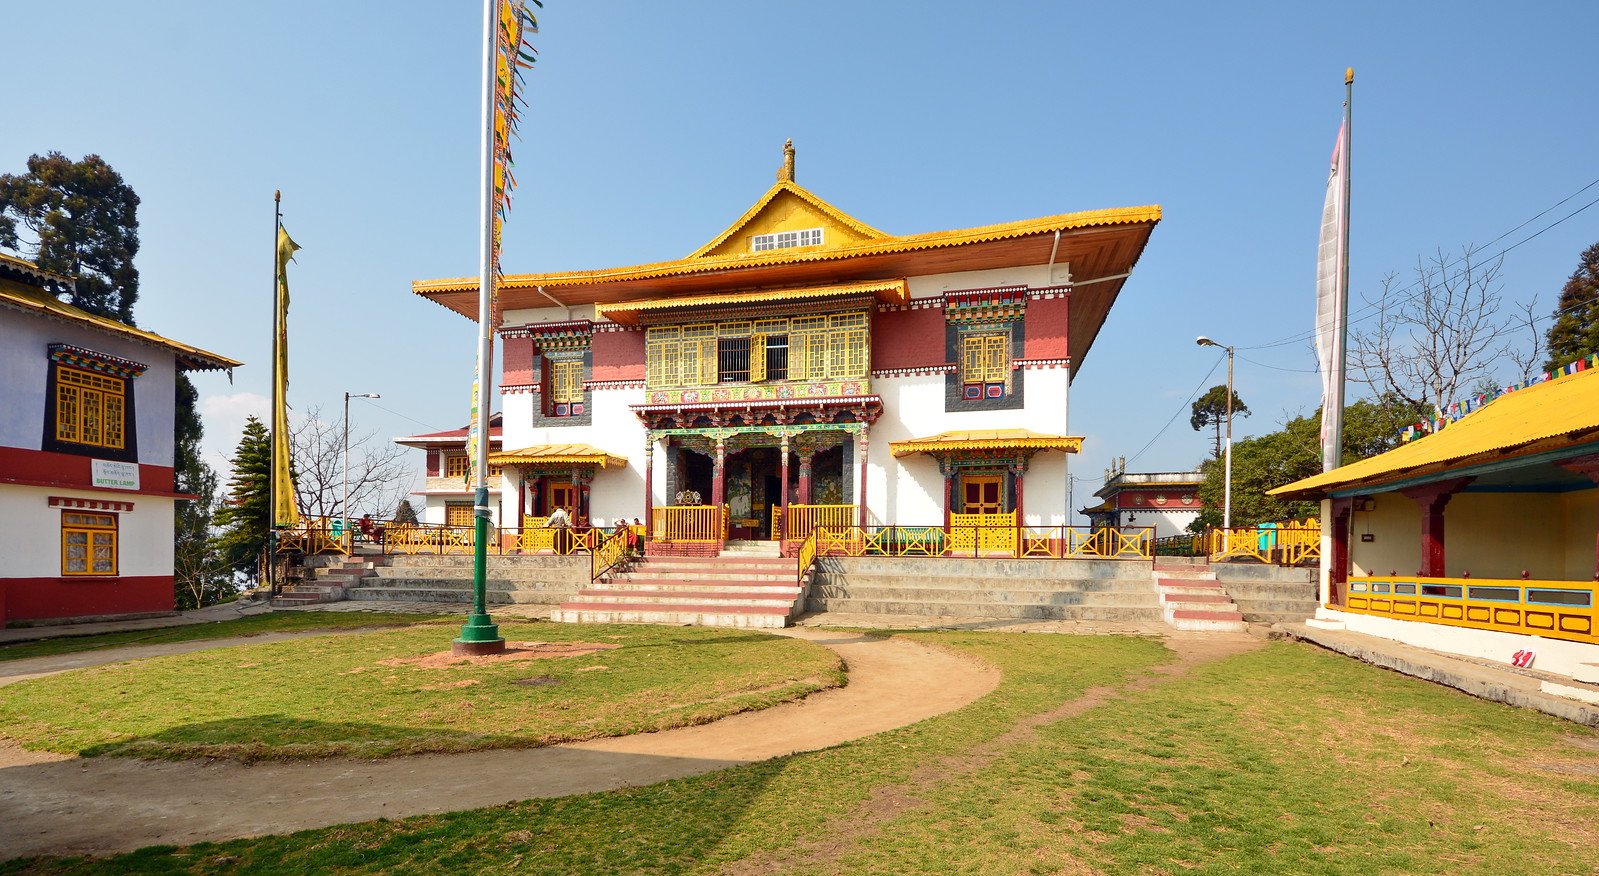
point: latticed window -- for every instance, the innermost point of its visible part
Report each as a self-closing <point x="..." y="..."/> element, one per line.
<point x="835" y="346"/>
<point x="91" y="408"/>
<point x="566" y="381"/>
<point x="458" y="514"/>
<point x="88" y="543"/>
<point x="985" y="359"/>
<point x="459" y="465"/>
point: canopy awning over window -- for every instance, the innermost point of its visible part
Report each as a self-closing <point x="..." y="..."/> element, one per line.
<point x="558" y="454"/>
<point x="1020" y="440"/>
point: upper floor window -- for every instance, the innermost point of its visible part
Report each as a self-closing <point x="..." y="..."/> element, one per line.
<point x="88" y="543"/>
<point x="91" y="408"/>
<point x="827" y="347"/>
<point x="985" y="365"/>
<point x="566" y="387"/>
<point x="459" y="465"/>
<point x="786" y="239"/>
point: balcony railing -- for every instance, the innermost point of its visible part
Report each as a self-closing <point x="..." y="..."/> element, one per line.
<point x="1552" y="609"/>
<point x="804" y="518"/>
<point x="980" y="540"/>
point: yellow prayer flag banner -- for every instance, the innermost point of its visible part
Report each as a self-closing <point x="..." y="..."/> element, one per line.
<point x="286" y="509"/>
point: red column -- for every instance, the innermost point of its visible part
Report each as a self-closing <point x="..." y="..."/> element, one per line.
<point x="1338" y="563"/>
<point x="1018" y="474"/>
<point x="718" y="474"/>
<point x="1432" y="498"/>
<point x="782" y="491"/>
<point x="865" y="442"/>
<point x="805" y="477"/>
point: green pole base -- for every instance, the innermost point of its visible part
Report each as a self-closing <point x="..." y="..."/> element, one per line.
<point x="480" y="635"/>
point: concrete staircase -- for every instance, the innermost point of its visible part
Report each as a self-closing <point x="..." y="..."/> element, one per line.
<point x="1270" y="594"/>
<point x="740" y="588"/>
<point x="329" y="579"/>
<point x="1028" y="589"/>
<point x="1192" y="599"/>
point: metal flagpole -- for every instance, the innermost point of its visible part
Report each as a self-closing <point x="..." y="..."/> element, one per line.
<point x="272" y="471"/>
<point x="481" y="635"/>
<point x="1332" y="450"/>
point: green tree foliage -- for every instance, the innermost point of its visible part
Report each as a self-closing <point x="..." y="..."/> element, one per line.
<point x="1211" y="410"/>
<point x="200" y="577"/>
<point x="81" y="220"/>
<point x="404" y="512"/>
<point x="1293" y="452"/>
<point x="1575" y="331"/>
<point x="244" y="515"/>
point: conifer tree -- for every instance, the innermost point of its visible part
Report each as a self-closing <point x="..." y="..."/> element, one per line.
<point x="1575" y="331"/>
<point x="244" y="515"/>
<point x="404" y="512"/>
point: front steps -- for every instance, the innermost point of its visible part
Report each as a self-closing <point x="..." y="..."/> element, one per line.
<point x="1003" y="588"/>
<point x="734" y="590"/>
<point x="1192" y="599"/>
<point x="330" y="579"/>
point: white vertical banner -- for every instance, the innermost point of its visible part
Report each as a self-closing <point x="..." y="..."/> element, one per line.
<point x="1332" y="300"/>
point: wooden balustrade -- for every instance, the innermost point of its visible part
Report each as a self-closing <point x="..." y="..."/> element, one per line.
<point x="804" y="518"/>
<point x="700" y="523"/>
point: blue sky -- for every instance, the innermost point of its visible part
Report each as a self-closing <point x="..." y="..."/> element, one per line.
<point x="654" y="125"/>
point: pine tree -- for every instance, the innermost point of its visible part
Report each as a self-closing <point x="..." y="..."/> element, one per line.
<point x="404" y="512"/>
<point x="1211" y="410"/>
<point x="200" y="577"/>
<point x="1575" y="331"/>
<point x="244" y="516"/>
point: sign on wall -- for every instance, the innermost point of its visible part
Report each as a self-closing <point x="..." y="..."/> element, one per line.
<point x="114" y="475"/>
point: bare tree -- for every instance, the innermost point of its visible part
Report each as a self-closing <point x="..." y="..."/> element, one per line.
<point x="1450" y="334"/>
<point x="378" y="474"/>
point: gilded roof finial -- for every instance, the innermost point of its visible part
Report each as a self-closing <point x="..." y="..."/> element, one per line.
<point x="786" y="172"/>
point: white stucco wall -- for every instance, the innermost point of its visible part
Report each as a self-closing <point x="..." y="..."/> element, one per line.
<point x="1553" y="655"/>
<point x="24" y="373"/>
<point x="30" y="533"/>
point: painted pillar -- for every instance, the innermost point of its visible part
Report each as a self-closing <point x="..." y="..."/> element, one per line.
<point x="649" y="483"/>
<point x="863" y="445"/>
<point x="1432" y="498"/>
<point x="805" y="476"/>
<point x="521" y="498"/>
<point x="782" y="491"/>
<point x="1338" y="563"/>
<point x="582" y="498"/>
<point x="719" y="474"/>
<point x="1018" y="472"/>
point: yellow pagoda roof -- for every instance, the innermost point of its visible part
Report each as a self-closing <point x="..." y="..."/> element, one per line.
<point x="558" y="454"/>
<point x="33" y="299"/>
<point x="987" y="439"/>
<point x="1562" y="412"/>
<point x="627" y="313"/>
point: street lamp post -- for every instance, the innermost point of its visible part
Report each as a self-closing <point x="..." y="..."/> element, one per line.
<point x="344" y="503"/>
<point x="1227" y="488"/>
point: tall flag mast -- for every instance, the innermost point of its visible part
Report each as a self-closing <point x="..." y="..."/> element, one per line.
<point x="1332" y="290"/>
<point x="506" y="23"/>
<point x="282" y="507"/>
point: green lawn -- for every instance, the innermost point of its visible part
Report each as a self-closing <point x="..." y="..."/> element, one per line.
<point x="1283" y="760"/>
<point x="280" y="621"/>
<point x="349" y="695"/>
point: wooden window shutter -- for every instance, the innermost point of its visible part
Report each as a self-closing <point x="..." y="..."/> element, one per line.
<point x="757" y="358"/>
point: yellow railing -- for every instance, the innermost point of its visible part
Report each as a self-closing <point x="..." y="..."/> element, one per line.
<point x="554" y="540"/>
<point x="611" y="550"/>
<point x="1289" y="543"/>
<point x="1552" y="609"/>
<point x="314" y="538"/>
<point x="777" y="523"/>
<point x="1038" y="542"/>
<point x="983" y="533"/>
<point x="804" y="518"/>
<point x="687" y="523"/>
<point x="807" y="555"/>
<point x="428" y="538"/>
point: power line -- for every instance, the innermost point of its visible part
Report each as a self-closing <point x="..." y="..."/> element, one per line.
<point x="1174" y="416"/>
<point x="428" y="426"/>
<point x="1371" y="309"/>
<point x="1281" y="368"/>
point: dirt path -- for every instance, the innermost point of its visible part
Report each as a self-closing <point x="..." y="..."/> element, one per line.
<point x="870" y="818"/>
<point x="51" y="804"/>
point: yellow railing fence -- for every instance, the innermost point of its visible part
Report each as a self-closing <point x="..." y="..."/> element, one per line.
<point x="1287" y="543"/>
<point x="1037" y="542"/>
<point x="1552" y="609"/>
<point x="315" y="537"/>
<point x="983" y="533"/>
<point x="428" y="538"/>
<point x="611" y="550"/>
<point x="804" y="518"/>
<point x="687" y="523"/>
<point x="807" y="555"/>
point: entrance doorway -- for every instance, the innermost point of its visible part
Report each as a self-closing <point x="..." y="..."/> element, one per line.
<point x="560" y="495"/>
<point x="982" y="494"/>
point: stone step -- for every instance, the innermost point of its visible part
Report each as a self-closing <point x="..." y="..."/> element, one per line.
<point x="649" y="573"/>
<point x="627" y="586"/>
<point x="973" y="585"/>
<point x="681" y="615"/>
<point x="1005" y="597"/>
<point x="680" y="597"/>
<point x="1167" y="597"/>
<point x="1268" y="590"/>
<point x="1208" y="621"/>
<point x="497" y="597"/>
<point x="772" y="562"/>
<point x="463" y="584"/>
<point x="1130" y="613"/>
